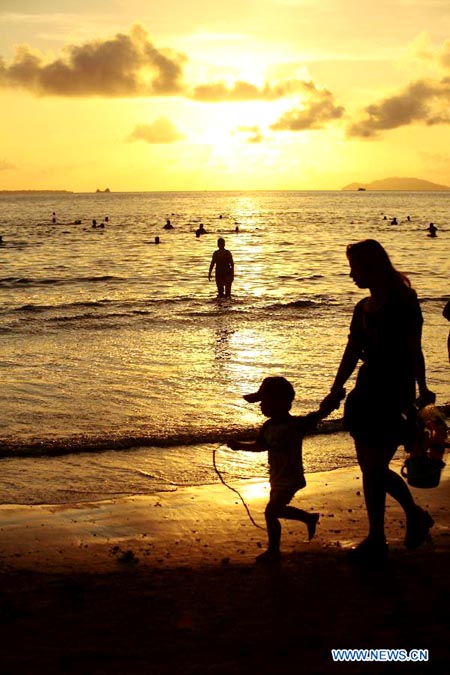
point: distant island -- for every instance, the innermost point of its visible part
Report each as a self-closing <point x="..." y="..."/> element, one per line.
<point x="407" y="184"/>
<point x="105" y="190"/>
<point x="22" y="192"/>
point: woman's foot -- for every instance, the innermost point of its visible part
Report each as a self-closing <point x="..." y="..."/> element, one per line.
<point x="312" y="524"/>
<point x="269" y="556"/>
<point x="418" y="528"/>
<point x="369" y="552"/>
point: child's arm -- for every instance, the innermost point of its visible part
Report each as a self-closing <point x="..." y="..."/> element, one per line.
<point x="312" y="419"/>
<point x="251" y="446"/>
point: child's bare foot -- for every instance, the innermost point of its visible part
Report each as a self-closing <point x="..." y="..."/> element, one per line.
<point x="312" y="524"/>
<point x="271" y="555"/>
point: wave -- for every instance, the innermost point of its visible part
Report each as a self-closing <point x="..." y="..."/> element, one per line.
<point x="14" y="282"/>
<point x="440" y="299"/>
<point x="46" y="308"/>
<point x="319" y="301"/>
<point x="54" y="447"/>
<point x="188" y="308"/>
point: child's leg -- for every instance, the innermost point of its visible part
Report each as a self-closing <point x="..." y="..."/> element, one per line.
<point x="273" y="525"/>
<point x="310" y="519"/>
<point x="278" y="508"/>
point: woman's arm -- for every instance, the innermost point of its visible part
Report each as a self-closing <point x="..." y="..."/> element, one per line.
<point x="350" y="358"/>
<point x="414" y="346"/>
<point x="252" y="446"/>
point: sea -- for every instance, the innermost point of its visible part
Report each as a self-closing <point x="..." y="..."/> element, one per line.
<point x="121" y="371"/>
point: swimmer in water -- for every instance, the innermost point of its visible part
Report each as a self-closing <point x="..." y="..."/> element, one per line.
<point x="201" y="230"/>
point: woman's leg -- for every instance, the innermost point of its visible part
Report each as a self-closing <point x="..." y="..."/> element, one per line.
<point x="398" y="489"/>
<point x="379" y="479"/>
<point x="374" y="463"/>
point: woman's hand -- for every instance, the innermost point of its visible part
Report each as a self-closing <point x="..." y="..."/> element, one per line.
<point x="426" y="398"/>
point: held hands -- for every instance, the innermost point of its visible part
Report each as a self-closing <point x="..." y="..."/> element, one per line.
<point x="332" y="401"/>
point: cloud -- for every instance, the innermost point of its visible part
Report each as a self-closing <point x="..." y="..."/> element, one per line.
<point x="217" y="92"/>
<point x="423" y="101"/>
<point x="444" y="54"/>
<point x="5" y="165"/>
<point x="315" y="112"/>
<point x="121" y="66"/>
<point x="424" y="51"/>
<point x="130" y="65"/>
<point x="160" y="131"/>
<point x="253" y="133"/>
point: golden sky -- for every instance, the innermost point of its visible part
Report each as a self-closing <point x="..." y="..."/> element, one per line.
<point x="221" y="95"/>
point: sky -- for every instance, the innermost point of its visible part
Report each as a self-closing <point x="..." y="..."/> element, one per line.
<point x="137" y="95"/>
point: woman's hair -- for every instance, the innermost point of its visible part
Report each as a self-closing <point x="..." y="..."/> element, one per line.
<point x="376" y="260"/>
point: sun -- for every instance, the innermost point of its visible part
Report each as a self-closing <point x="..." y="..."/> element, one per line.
<point x="233" y="126"/>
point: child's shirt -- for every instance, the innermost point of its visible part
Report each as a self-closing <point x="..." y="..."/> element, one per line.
<point x="283" y="438"/>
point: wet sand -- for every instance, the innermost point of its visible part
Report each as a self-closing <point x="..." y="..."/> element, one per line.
<point x="167" y="583"/>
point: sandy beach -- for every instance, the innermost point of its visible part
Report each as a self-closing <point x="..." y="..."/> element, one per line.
<point x="167" y="583"/>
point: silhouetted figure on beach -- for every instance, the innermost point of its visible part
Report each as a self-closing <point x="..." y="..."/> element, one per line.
<point x="385" y="333"/>
<point x="222" y="260"/>
<point x="282" y="436"/>
<point x="446" y="315"/>
<point x="168" y="225"/>
<point x="432" y="230"/>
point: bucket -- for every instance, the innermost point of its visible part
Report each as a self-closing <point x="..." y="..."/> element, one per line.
<point x="422" y="471"/>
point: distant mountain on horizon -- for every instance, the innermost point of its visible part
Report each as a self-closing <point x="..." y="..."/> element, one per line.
<point x="408" y="184"/>
<point x="19" y="192"/>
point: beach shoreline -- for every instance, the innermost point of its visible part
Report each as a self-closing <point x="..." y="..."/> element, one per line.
<point x="168" y="582"/>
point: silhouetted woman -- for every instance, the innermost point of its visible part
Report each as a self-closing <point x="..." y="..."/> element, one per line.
<point x="385" y="333"/>
<point x="446" y="315"/>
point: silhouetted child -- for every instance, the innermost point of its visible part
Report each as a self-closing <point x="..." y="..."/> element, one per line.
<point x="281" y="435"/>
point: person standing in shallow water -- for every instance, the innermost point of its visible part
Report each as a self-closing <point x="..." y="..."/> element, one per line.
<point x="385" y="333"/>
<point x="222" y="260"/>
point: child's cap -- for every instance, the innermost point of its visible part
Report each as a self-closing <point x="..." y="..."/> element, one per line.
<point x="275" y="387"/>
